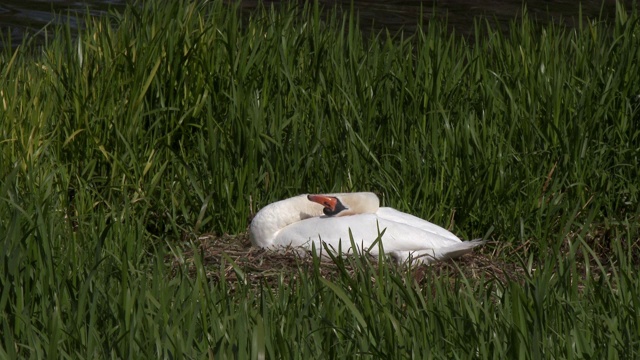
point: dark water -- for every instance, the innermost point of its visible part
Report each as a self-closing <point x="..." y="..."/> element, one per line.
<point x="19" y="18"/>
<point x="460" y="14"/>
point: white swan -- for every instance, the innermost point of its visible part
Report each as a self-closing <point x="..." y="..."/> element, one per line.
<point x="305" y="220"/>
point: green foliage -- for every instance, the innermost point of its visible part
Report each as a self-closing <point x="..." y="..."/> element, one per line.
<point x="177" y="118"/>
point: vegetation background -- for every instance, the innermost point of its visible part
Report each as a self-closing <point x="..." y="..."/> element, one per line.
<point x="124" y="150"/>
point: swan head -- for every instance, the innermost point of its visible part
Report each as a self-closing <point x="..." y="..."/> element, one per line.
<point x="332" y="205"/>
<point x="347" y="203"/>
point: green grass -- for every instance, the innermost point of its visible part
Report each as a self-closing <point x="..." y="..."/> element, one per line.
<point x="169" y="121"/>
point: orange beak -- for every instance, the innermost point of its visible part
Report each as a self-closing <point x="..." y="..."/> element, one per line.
<point x="327" y="201"/>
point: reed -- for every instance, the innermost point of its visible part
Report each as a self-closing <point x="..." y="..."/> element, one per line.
<point x="120" y="147"/>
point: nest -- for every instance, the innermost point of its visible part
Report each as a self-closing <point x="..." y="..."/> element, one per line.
<point x="233" y="259"/>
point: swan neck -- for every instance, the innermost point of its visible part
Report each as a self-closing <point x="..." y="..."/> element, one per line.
<point x="359" y="203"/>
<point x="271" y="219"/>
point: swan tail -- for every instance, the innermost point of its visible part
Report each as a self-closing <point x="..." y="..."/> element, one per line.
<point x="449" y="252"/>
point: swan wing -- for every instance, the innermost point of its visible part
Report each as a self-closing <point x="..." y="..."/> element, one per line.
<point x="334" y="231"/>
<point x="330" y="230"/>
<point x="394" y="215"/>
<point x="449" y="252"/>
